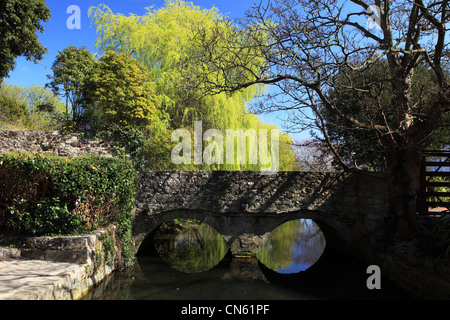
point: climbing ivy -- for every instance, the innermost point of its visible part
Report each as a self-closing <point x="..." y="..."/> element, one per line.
<point x="45" y="195"/>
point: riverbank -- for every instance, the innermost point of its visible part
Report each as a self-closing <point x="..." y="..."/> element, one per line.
<point x="56" y="268"/>
<point x="412" y="270"/>
<point x="45" y="280"/>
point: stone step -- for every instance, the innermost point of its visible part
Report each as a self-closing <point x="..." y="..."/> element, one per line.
<point x="10" y="253"/>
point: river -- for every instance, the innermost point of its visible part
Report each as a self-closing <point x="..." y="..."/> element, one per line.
<point x="293" y="263"/>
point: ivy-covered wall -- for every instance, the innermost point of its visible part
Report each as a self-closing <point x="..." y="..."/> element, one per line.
<point x="43" y="195"/>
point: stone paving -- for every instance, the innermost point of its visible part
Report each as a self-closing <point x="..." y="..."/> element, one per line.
<point x="39" y="280"/>
<point x="54" y="268"/>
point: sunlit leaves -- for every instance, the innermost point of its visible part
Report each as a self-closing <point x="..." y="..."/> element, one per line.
<point x="40" y="109"/>
<point x="167" y="41"/>
<point x="122" y="89"/>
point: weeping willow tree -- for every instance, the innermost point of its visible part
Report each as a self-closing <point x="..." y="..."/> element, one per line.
<point x="165" y="40"/>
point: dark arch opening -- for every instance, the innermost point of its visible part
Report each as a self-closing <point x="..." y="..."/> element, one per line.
<point x="331" y="276"/>
<point x="147" y="246"/>
<point x="327" y="278"/>
<point x="194" y="248"/>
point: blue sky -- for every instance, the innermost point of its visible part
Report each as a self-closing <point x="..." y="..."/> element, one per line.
<point x="58" y="36"/>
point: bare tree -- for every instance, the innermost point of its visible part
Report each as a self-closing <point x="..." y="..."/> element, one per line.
<point x="309" y="49"/>
<point x="315" y="156"/>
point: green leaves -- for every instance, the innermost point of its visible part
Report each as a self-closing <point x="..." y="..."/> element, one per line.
<point x="19" y="22"/>
<point x="52" y="217"/>
<point x="34" y="107"/>
<point x="121" y="88"/>
<point x="63" y="196"/>
<point x="12" y="110"/>
<point x="85" y="193"/>
<point x="167" y="42"/>
<point x="70" y="70"/>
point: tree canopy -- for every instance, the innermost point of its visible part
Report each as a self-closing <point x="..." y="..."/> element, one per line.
<point x="31" y="108"/>
<point x="121" y="90"/>
<point x="20" y="20"/>
<point x="70" y="70"/>
<point x="165" y="40"/>
<point x="366" y="148"/>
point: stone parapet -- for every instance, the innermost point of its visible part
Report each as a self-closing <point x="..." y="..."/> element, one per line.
<point x="249" y="191"/>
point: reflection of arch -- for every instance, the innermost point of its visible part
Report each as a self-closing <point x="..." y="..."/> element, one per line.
<point x="196" y="249"/>
<point x="327" y="278"/>
<point x="292" y="247"/>
<point x="231" y="225"/>
<point x="146" y="246"/>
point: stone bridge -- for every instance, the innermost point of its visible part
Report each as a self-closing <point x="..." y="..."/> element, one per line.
<point x="348" y="207"/>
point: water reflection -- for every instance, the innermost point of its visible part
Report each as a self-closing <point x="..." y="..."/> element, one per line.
<point x="196" y="249"/>
<point x="292" y="247"/>
<point x="152" y="279"/>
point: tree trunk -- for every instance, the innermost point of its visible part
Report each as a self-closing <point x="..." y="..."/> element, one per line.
<point x="403" y="178"/>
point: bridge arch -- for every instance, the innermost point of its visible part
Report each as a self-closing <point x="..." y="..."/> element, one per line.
<point x="232" y="226"/>
<point x="144" y="240"/>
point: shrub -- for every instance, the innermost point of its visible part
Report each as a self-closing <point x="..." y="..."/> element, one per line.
<point x="12" y="110"/>
<point x="51" y="217"/>
<point x="45" y="195"/>
<point x="126" y="140"/>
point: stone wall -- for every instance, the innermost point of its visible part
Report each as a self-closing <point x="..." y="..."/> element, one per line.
<point x="55" y="142"/>
<point x="403" y="264"/>
<point x="91" y="258"/>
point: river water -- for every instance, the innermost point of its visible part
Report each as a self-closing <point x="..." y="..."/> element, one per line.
<point x="293" y="263"/>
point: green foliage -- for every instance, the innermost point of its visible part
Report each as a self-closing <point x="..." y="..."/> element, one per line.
<point x="295" y="245"/>
<point x="19" y="22"/>
<point x="51" y="217"/>
<point x="46" y="195"/>
<point x="166" y="41"/>
<point x="70" y="71"/>
<point x="367" y="96"/>
<point x="31" y="108"/>
<point x="127" y="140"/>
<point x="46" y="110"/>
<point x="133" y="139"/>
<point x="196" y="248"/>
<point x="120" y="88"/>
<point x="12" y="110"/>
<point x="157" y="149"/>
<point x="440" y="138"/>
<point x="277" y="250"/>
<point x="444" y="199"/>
